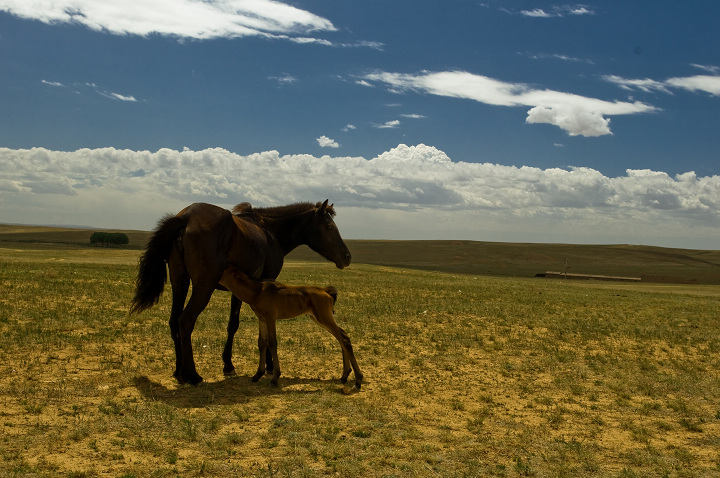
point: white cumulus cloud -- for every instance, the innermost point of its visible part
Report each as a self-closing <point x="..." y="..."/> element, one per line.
<point x="577" y="115"/>
<point x="404" y="193"/>
<point x="326" y="142"/>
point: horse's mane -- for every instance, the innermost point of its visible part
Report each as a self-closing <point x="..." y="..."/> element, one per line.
<point x="280" y="211"/>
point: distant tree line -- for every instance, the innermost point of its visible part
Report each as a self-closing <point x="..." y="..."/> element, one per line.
<point x="107" y="239"/>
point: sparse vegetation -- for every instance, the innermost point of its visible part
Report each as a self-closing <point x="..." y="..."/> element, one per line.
<point x="466" y="376"/>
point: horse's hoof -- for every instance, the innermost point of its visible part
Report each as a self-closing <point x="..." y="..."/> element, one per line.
<point x="273" y="383"/>
<point x="256" y="377"/>
<point x="192" y="379"/>
<point x="227" y="371"/>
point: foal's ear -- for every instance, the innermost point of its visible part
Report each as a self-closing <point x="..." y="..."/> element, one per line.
<point x="323" y="208"/>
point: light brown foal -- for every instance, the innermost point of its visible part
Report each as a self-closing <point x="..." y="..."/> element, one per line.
<point x="272" y="301"/>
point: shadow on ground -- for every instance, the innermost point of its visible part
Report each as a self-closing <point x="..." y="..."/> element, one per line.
<point x="230" y="390"/>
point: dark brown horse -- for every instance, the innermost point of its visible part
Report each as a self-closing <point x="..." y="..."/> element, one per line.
<point x="272" y="301"/>
<point x="202" y="240"/>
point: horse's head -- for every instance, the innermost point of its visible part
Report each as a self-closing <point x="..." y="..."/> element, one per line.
<point x="324" y="237"/>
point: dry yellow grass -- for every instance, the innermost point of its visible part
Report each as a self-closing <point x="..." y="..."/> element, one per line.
<point x="466" y="376"/>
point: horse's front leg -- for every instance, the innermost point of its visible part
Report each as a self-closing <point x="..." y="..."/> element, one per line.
<point x="232" y="328"/>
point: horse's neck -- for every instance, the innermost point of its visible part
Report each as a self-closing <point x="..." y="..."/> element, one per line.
<point x="288" y="232"/>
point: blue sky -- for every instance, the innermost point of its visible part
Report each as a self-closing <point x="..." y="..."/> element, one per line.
<point x="524" y="121"/>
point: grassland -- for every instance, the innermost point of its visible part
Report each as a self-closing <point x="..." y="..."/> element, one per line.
<point x="467" y="375"/>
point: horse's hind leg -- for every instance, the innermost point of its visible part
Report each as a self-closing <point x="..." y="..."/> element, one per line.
<point x="325" y="318"/>
<point x="233" y="325"/>
<point x="180" y="282"/>
<point x="198" y="301"/>
<point x="346" y="365"/>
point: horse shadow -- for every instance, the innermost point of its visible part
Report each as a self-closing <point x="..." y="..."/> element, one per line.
<point x="233" y="390"/>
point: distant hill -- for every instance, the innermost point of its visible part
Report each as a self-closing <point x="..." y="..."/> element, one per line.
<point x="655" y="264"/>
<point x="64" y="235"/>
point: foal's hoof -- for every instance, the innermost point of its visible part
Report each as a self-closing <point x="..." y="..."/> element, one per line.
<point x="350" y="390"/>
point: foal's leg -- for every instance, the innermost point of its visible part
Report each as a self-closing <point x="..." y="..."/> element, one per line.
<point x="325" y="318"/>
<point x="269" y="361"/>
<point x="232" y="328"/>
<point x="262" y="346"/>
<point x="272" y="348"/>
<point x="233" y="324"/>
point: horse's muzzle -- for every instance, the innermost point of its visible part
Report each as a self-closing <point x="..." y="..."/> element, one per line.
<point x="345" y="261"/>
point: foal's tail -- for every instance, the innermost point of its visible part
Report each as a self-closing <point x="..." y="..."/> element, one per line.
<point x="332" y="292"/>
<point x="152" y="273"/>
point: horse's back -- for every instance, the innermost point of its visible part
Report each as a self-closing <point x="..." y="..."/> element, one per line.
<point x="203" y="216"/>
<point x="320" y="300"/>
<point x="214" y="234"/>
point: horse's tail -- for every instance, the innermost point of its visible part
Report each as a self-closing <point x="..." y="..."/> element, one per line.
<point x="152" y="273"/>
<point x="332" y="292"/>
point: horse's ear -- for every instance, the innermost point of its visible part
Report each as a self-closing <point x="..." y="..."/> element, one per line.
<point x="323" y="208"/>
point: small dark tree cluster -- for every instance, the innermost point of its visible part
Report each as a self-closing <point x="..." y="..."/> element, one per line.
<point x="107" y="239"/>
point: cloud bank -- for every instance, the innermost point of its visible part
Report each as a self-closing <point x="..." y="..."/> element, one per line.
<point x="408" y="192"/>
<point x="577" y="115"/>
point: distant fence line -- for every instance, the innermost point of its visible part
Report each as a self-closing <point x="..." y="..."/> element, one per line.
<point x="567" y="275"/>
<point x="642" y="278"/>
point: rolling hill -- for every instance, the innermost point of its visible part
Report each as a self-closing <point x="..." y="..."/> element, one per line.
<point x="653" y="264"/>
